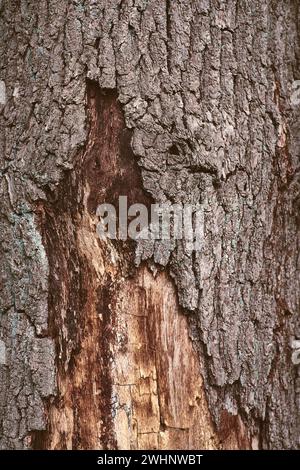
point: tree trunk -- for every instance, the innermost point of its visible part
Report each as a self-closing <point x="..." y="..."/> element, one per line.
<point x="117" y="345"/>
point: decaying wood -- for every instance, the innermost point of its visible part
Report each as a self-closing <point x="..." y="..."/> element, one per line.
<point x="177" y="101"/>
<point x="128" y="375"/>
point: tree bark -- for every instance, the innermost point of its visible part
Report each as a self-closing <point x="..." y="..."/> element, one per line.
<point x="117" y="345"/>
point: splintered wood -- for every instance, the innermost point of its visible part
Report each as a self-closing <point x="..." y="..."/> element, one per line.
<point x="128" y="376"/>
<point x="158" y="397"/>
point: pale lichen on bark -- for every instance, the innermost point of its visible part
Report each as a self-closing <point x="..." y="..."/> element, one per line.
<point x="205" y="88"/>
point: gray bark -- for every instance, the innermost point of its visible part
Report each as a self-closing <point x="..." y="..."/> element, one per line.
<point x="206" y="88"/>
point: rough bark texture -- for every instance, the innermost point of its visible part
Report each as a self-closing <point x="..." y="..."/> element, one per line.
<point x="180" y="101"/>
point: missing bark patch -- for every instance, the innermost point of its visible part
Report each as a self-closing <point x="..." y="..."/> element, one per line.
<point x="128" y="376"/>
